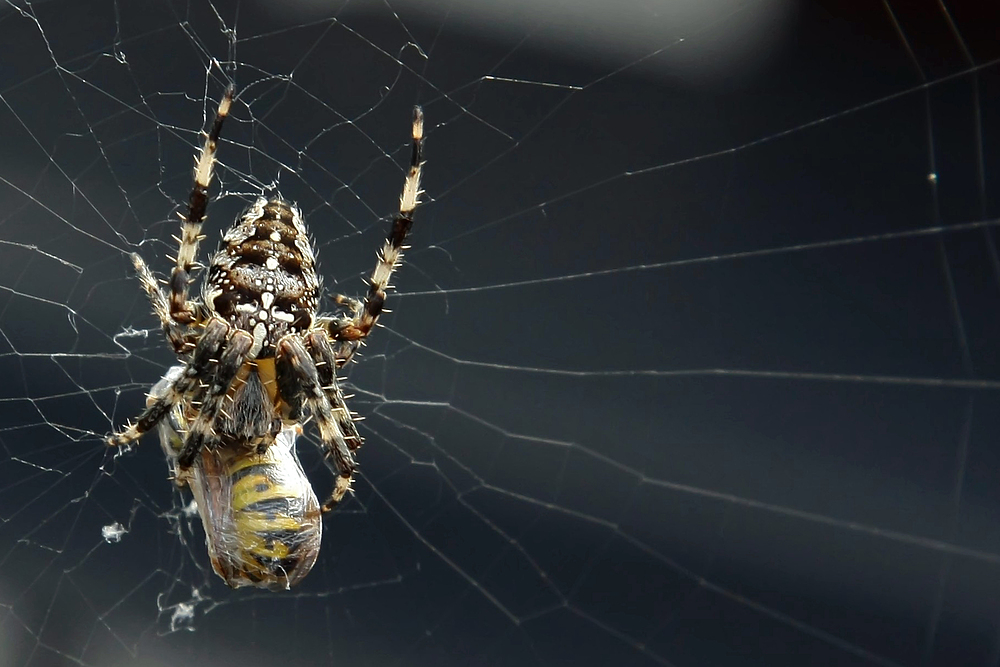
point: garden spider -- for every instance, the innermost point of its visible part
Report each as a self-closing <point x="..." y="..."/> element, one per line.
<point x="257" y="356"/>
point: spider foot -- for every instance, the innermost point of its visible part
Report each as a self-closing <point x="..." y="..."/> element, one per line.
<point x="341" y="488"/>
<point x="129" y="435"/>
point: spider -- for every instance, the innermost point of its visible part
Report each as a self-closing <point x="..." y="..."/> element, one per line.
<point x="257" y="357"/>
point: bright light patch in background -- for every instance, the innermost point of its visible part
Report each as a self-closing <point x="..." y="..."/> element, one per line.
<point x="710" y="43"/>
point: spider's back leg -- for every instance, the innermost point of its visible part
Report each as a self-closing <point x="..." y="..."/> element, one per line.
<point x="299" y="382"/>
<point x="200" y="366"/>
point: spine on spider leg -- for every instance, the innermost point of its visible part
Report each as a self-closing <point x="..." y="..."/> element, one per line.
<point x="197" y="204"/>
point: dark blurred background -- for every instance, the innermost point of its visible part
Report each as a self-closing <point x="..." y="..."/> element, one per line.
<point x="691" y="362"/>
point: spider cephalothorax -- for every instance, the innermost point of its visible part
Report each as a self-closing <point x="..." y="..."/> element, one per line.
<point x="258" y="358"/>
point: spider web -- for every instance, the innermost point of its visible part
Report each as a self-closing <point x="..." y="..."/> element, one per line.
<point x="692" y="361"/>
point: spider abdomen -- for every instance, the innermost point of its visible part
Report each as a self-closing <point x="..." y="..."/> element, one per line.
<point x="263" y="276"/>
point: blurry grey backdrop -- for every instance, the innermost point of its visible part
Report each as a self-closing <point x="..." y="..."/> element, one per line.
<point x="692" y="361"/>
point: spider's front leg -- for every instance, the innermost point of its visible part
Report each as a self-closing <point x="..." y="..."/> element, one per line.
<point x="181" y="310"/>
<point x="361" y="324"/>
<point x="299" y="382"/>
<point x="200" y="366"/>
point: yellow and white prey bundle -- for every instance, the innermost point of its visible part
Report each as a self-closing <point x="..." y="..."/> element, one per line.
<point x="263" y="524"/>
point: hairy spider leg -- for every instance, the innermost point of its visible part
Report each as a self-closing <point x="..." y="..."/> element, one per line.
<point x="202" y="433"/>
<point x="174" y="332"/>
<point x="181" y="310"/>
<point x="200" y="365"/>
<point x="389" y="256"/>
<point x="298" y="382"/>
<point x="326" y="364"/>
